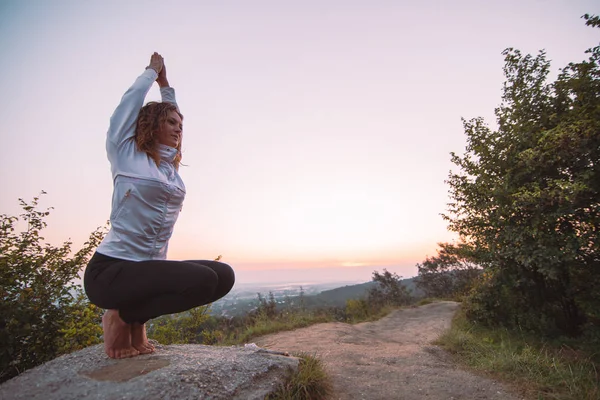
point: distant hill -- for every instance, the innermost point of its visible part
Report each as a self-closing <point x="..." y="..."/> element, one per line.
<point x="337" y="297"/>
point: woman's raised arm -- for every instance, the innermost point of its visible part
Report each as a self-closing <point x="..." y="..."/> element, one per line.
<point x="167" y="92"/>
<point x="122" y="122"/>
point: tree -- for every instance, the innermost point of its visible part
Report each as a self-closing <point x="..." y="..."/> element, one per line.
<point x="527" y="198"/>
<point x="42" y="311"/>
<point x="452" y="273"/>
<point x="389" y="290"/>
<point x="302" y="299"/>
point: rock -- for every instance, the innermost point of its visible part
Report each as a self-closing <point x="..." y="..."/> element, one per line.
<point x="186" y="371"/>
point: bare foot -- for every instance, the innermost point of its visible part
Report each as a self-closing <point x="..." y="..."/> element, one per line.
<point x="117" y="336"/>
<point x="139" y="340"/>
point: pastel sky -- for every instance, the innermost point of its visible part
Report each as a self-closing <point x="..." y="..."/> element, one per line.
<point x="316" y="135"/>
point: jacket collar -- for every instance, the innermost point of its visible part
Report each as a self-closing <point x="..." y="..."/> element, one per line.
<point x="167" y="153"/>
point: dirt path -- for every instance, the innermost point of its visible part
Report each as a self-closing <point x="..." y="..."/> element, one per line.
<point x="391" y="358"/>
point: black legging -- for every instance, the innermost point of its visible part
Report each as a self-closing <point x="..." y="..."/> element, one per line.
<point x="142" y="290"/>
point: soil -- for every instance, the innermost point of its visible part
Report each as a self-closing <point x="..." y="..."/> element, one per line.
<point x="391" y="358"/>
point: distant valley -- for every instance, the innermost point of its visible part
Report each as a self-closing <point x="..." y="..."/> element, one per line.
<point x="244" y="298"/>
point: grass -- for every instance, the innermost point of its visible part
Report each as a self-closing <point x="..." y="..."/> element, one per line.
<point x="308" y="382"/>
<point x="375" y="315"/>
<point x="536" y="368"/>
<point x="429" y="300"/>
<point x="264" y="325"/>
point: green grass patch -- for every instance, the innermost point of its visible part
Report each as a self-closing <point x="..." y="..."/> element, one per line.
<point x="538" y="369"/>
<point x="426" y="301"/>
<point x="377" y="314"/>
<point x="264" y="325"/>
<point x="309" y="382"/>
<point x="429" y="300"/>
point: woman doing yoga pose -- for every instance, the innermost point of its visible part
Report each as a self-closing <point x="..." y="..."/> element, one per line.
<point x="129" y="274"/>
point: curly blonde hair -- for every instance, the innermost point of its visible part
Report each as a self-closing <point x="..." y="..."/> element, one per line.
<point x="151" y="117"/>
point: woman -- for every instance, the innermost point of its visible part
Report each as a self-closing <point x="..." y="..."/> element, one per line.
<point x="129" y="275"/>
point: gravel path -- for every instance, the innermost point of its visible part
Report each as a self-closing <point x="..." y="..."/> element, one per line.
<point x="391" y="358"/>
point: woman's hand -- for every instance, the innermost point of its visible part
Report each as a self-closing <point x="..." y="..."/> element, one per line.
<point x="162" y="77"/>
<point x="156" y="63"/>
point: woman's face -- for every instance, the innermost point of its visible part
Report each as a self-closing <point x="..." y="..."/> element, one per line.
<point x="171" y="130"/>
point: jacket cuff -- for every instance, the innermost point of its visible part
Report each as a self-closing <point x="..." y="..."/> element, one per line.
<point x="151" y="73"/>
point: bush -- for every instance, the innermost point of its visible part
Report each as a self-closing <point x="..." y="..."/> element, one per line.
<point x="357" y="310"/>
<point x="43" y="314"/>
<point x="186" y="327"/>
<point x="389" y="291"/>
<point x="451" y="274"/>
<point x="83" y="325"/>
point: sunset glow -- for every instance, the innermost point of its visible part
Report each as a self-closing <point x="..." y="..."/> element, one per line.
<point x="316" y="135"/>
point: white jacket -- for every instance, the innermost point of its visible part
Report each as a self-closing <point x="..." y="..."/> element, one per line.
<point x="147" y="198"/>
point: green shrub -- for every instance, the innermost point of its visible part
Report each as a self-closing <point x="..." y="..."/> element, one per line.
<point x="357" y="310"/>
<point x="43" y="314"/>
<point x="185" y="327"/>
<point x="82" y="326"/>
<point x="451" y="274"/>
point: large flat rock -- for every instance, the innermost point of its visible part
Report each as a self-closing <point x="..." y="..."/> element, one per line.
<point x="172" y="372"/>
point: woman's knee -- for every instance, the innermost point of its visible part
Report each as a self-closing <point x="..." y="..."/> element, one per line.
<point x="200" y="289"/>
<point x="224" y="273"/>
<point x="226" y="279"/>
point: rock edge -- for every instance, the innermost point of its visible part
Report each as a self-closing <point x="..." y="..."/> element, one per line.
<point x="187" y="371"/>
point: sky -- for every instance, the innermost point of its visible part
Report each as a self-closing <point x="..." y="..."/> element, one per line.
<point x="317" y="134"/>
